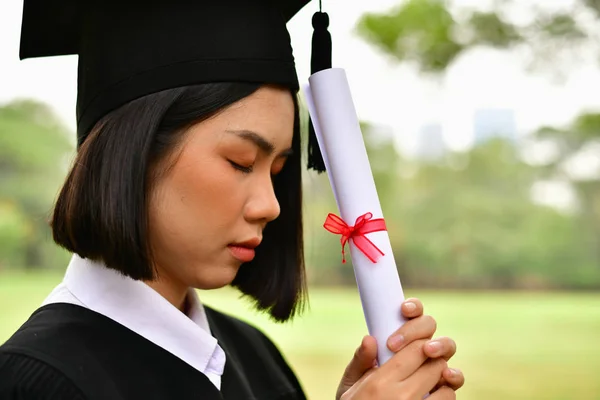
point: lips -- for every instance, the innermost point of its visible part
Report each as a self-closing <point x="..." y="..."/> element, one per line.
<point x="243" y="254"/>
<point x="244" y="251"/>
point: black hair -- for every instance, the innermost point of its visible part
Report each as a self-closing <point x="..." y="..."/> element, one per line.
<point x="102" y="210"/>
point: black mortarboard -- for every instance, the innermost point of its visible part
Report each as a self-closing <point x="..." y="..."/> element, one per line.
<point x="131" y="49"/>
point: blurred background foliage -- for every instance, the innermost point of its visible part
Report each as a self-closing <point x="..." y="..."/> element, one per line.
<point x="463" y="220"/>
<point x="34" y="154"/>
<point x="468" y="219"/>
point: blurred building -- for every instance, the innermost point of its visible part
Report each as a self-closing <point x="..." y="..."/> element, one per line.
<point x="379" y="133"/>
<point x="494" y="123"/>
<point x="430" y="142"/>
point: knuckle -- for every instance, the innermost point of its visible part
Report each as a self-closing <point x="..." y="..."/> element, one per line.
<point x="376" y="389"/>
<point x="396" y="362"/>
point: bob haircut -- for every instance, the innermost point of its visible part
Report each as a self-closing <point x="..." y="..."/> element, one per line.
<point x="101" y="212"/>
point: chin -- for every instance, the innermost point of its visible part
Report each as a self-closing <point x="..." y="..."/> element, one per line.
<point x="216" y="278"/>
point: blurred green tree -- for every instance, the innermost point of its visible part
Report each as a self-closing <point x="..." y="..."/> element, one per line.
<point x="35" y="150"/>
<point x="581" y="138"/>
<point x="470" y="222"/>
<point x="432" y="34"/>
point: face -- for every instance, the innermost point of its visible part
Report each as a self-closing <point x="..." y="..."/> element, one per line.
<point x="210" y="207"/>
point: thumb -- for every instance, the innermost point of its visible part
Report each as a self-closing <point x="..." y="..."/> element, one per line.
<point x="364" y="359"/>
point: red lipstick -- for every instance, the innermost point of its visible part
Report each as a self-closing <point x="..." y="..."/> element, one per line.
<point x="244" y="251"/>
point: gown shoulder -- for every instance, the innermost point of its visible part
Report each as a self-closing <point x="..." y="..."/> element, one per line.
<point x="67" y="352"/>
<point x="27" y="378"/>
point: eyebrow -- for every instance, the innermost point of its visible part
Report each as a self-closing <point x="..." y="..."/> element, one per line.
<point x="259" y="141"/>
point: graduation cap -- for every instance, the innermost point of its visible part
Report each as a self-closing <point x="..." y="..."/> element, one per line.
<point x="130" y="49"/>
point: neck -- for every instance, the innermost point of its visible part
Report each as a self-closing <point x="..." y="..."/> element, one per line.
<point x="174" y="293"/>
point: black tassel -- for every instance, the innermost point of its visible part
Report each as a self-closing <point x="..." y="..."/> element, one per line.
<point x="320" y="60"/>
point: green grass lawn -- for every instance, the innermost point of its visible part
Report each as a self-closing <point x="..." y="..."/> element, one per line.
<point x="510" y="345"/>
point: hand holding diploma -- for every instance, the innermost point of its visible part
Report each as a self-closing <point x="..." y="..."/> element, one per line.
<point x="418" y="367"/>
<point x="398" y="360"/>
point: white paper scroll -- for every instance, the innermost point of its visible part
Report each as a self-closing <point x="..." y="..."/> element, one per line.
<point x="340" y="140"/>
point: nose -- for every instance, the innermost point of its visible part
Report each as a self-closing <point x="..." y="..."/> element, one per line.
<point x="262" y="205"/>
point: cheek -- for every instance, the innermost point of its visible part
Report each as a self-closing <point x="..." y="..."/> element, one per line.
<point x="197" y="201"/>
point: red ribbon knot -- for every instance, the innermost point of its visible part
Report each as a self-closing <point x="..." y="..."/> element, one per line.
<point x="363" y="225"/>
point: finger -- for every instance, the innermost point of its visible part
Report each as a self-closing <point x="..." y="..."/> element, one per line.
<point x="404" y="363"/>
<point x="454" y="378"/>
<point x="422" y="327"/>
<point x="441" y="382"/>
<point x="440" y="347"/>
<point x="363" y="360"/>
<point x="443" y="393"/>
<point x="411" y="308"/>
<point x="424" y="379"/>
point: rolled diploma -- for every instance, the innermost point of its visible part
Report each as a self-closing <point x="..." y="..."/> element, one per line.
<point x="340" y="139"/>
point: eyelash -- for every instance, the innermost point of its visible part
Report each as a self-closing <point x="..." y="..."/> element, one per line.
<point x="241" y="168"/>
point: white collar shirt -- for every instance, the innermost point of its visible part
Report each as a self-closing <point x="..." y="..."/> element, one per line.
<point x="140" y="308"/>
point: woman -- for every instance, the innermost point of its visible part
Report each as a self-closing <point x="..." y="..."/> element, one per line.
<point x="188" y="176"/>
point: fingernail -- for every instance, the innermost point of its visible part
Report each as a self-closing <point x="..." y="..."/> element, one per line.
<point x="410" y="307"/>
<point x="395" y="342"/>
<point x="434" y="346"/>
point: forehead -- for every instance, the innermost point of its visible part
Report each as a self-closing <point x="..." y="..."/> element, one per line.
<point x="268" y="102"/>
<point x="269" y="111"/>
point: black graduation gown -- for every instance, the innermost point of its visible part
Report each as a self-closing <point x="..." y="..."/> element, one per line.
<point x="68" y="352"/>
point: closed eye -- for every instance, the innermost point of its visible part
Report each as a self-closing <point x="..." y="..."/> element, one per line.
<point x="241" y="168"/>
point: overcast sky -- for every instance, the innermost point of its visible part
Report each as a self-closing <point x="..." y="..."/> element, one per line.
<point x="384" y="93"/>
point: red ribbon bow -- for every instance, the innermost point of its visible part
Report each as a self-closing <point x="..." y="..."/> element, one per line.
<point x="363" y="225"/>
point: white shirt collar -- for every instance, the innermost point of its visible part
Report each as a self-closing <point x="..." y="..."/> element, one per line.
<point x="140" y="308"/>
